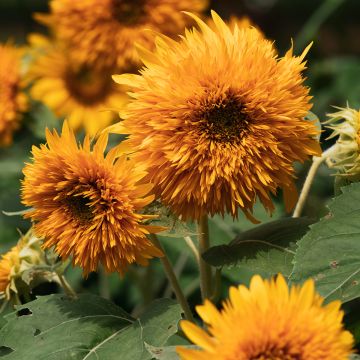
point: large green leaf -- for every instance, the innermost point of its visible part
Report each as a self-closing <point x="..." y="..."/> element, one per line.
<point x="330" y="251"/>
<point x="268" y="248"/>
<point x="56" y="327"/>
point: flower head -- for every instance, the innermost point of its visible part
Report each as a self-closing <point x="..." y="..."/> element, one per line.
<point x="84" y="95"/>
<point x="13" y="101"/>
<point x="218" y="120"/>
<point x="269" y="321"/>
<point x="345" y="156"/>
<point x="103" y="33"/>
<point x="25" y="255"/>
<point x="87" y="205"/>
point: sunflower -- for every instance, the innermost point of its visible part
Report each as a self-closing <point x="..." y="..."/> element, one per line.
<point x="84" y="95"/>
<point x="266" y="322"/>
<point x="88" y="205"/>
<point x="9" y="264"/>
<point x="13" y="101"/>
<point x="103" y="33"/>
<point x="22" y="257"/>
<point x="345" y="155"/>
<point x="218" y="120"/>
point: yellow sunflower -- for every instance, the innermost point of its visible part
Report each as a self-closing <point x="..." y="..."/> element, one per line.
<point x="103" y="33"/>
<point x="87" y="205"/>
<point x="218" y="119"/>
<point x="267" y="322"/>
<point x="9" y="264"/>
<point x="84" y="95"/>
<point x="22" y="257"/>
<point x="13" y="101"/>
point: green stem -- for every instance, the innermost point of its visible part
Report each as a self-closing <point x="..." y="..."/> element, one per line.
<point x="104" y="286"/>
<point x="205" y="269"/>
<point x="317" y="161"/>
<point x="66" y="286"/>
<point x="173" y="280"/>
<point x="217" y="289"/>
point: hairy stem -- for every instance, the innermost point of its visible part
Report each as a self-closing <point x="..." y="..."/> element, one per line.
<point x="67" y="287"/>
<point x="173" y="280"/>
<point x="205" y="269"/>
<point x="317" y="161"/>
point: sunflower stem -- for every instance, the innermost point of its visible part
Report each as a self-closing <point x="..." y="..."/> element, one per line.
<point x="205" y="269"/>
<point x="67" y="287"/>
<point x="192" y="247"/>
<point x="317" y="161"/>
<point x="169" y="271"/>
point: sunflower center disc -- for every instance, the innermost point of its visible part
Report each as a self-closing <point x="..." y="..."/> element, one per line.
<point x="128" y="11"/>
<point x="87" y="86"/>
<point x="80" y="208"/>
<point x="225" y="120"/>
<point x="276" y="354"/>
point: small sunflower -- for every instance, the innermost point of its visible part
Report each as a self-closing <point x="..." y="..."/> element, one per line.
<point x="218" y="120"/>
<point x="88" y="205"/>
<point x="267" y="322"/>
<point x="13" y="101"/>
<point x="9" y="265"/>
<point x="84" y="95"/>
<point x="345" y="156"/>
<point x="103" y="33"/>
<point x="22" y="257"/>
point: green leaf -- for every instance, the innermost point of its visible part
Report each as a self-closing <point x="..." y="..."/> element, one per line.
<point x="266" y="248"/>
<point x="310" y="116"/>
<point x="56" y="327"/>
<point x="330" y="251"/>
<point x="175" y="227"/>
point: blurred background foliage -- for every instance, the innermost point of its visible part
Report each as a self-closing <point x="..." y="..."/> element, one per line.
<point x="333" y="75"/>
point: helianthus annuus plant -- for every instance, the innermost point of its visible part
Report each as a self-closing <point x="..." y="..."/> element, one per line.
<point x="87" y="204"/>
<point x="218" y="120"/>
<point x="13" y="101"/>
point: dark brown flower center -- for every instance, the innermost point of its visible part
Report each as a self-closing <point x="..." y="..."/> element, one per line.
<point x="276" y="354"/>
<point x="79" y="208"/>
<point x="128" y="12"/>
<point x="224" y="120"/>
<point x="88" y="87"/>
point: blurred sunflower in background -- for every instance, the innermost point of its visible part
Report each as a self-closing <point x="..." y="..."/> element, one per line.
<point x="13" y="101"/>
<point x="88" y="205"/>
<point x="270" y="321"/>
<point x="85" y="96"/>
<point x="102" y="34"/>
<point x="218" y="120"/>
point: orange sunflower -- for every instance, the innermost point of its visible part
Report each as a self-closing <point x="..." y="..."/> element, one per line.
<point x="103" y="33"/>
<point x="84" y="95"/>
<point x="13" y="101"/>
<point x="267" y="322"/>
<point x="9" y="264"/>
<point x="87" y="205"/>
<point x="218" y="120"/>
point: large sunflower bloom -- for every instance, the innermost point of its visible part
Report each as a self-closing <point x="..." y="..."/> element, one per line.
<point x="267" y="321"/>
<point x="84" y="95"/>
<point x="103" y="33"/>
<point x="13" y="101"/>
<point x="87" y="205"/>
<point x="218" y="119"/>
